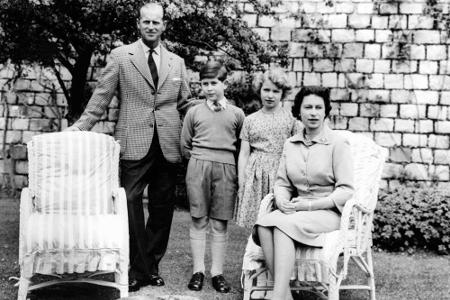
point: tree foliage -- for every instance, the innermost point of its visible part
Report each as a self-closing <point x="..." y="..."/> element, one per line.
<point x="73" y="32"/>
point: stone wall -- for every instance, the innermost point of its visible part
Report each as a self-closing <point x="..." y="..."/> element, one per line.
<point x="386" y="62"/>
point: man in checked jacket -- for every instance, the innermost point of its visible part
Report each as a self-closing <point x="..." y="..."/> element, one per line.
<point x="152" y="89"/>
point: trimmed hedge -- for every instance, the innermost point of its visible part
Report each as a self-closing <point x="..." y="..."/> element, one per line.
<point x="410" y="218"/>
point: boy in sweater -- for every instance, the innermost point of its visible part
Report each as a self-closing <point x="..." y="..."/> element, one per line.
<point x="209" y="140"/>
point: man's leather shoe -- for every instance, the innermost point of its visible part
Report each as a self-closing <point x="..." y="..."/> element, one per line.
<point x="196" y="282"/>
<point x="135" y="284"/>
<point x="220" y="284"/>
<point x="156" y="280"/>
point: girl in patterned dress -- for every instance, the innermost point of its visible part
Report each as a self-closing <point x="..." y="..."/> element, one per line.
<point x="262" y="138"/>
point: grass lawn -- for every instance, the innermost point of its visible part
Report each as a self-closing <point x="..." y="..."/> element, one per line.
<point x="398" y="276"/>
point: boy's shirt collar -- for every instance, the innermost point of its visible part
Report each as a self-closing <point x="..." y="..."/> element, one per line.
<point x="222" y="102"/>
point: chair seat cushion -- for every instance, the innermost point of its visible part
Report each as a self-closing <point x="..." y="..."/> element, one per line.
<point x="73" y="243"/>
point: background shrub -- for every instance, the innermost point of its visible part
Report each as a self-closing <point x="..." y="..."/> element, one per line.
<point x="413" y="217"/>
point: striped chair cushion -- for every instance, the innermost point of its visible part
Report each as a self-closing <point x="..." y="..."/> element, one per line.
<point x="73" y="172"/>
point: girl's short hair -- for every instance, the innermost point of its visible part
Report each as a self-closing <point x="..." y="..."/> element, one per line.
<point x="213" y="69"/>
<point x="277" y="76"/>
<point x="322" y="92"/>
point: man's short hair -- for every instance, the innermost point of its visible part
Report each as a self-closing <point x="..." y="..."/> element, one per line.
<point x="147" y="4"/>
<point x="213" y="69"/>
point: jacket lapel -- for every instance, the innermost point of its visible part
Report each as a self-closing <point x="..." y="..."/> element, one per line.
<point x="166" y="65"/>
<point x="137" y="57"/>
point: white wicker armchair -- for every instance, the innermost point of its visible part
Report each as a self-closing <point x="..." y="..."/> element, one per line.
<point x="317" y="268"/>
<point x="73" y="216"/>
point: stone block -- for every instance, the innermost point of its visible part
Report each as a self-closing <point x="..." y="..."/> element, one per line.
<point x="13" y="136"/>
<point x="388" y="8"/>
<point x="374" y="81"/>
<point x="414" y="140"/>
<point x="416" y="81"/>
<point x="104" y="127"/>
<point x="401" y="96"/>
<point x="266" y="21"/>
<point x="329" y="80"/>
<point x="426" y="97"/>
<point x="342" y="35"/>
<point x="315" y="50"/>
<point x="422" y="155"/>
<point x="20" y="181"/>
<point x="444" y="66"/>
<point x="389" y="111"/>
<point x="345" y="65"/>
<point x="404" y="66"/>
<point x="392" y="170"/>
<point x="27" y="135"/>
<point x="250" y="19"/>
<point x="353" y="50"/>
<point x="364" y="65"/>
<point x="408" y="8"/>
<point x="400" y="154"/>
<point x="280" y="33"/>
<point x="386" y="139"/>
<point x="311" y="79"/>
<point x="442" y="157"/>
<point x="402" y="125"/>
<point x="372" y="51"/>
<point x="417" y="52"/>
<point x="442" y="127"/>
<point x="379" y="22"/>
<point x="43" y="125"/>
<point x="359" y="21"/>
<point x="439" y="82"/>
<point x="382" y="124"/>
<point x="21" y="167"/>
<point x="440" y="173"/>
<point x="365" y="35"/>
<point x="365" y="8"/>
<point x="113" y="114"/>
<point x="336" y="20"/>
<point x="297" y="50"/>
<point x="424" y="126"/>
<point x="393" y="81"/>
<point x="348" y="109"/>
<point x="358" y="124"/>
<point x="445" y="98"/>
<point x="369" y="110"/>
<point x="343" y="7"/>
<point x="415" y="171"/>
<point x="412" y="111"/>
<point x="428" y="67"/>
<point x="436" y="52"/>
<point x="339" y="95"/>
<point x="383" y="36"/>
<point x="427" y="37"/>
<point x="398" y="22"/>
<point x="339" y="122"/>
<point x="420" y="22"/>
<point x="439" y="141"/>
<point x="18" y="151"/>
<point x="382" y="66"/>
<point x="378" y="95"/>
<point x="323" y="65"/>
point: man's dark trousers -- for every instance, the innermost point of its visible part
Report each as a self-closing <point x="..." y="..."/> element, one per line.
<point x="148" y="243"/>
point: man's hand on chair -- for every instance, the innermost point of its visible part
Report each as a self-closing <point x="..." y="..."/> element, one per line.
<point x="72" y="128"/>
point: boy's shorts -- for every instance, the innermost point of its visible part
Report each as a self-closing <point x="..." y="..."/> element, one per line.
<point x="211" y="189"/>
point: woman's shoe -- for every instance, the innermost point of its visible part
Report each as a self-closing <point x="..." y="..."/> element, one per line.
<point x="196" y="282"/>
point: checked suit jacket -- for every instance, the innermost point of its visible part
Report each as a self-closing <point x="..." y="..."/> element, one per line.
<point x="142" y="105"/>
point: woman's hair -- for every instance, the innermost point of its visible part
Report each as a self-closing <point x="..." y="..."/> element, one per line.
<point x="213" y="69"/>
<point x="322" y="92"/>
<point x="277" y="76"/>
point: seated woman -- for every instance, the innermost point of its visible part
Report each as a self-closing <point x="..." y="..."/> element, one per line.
<point x="313" y="183"/>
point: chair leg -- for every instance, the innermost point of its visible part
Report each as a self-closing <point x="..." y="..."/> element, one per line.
<point x="333" y="291"/>
<point x="121" y="279"/>
<point x="371" y="279"/>
<point x="24" y="283"/>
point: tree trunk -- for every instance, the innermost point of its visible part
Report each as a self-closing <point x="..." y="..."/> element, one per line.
<point x="78" y="96"/>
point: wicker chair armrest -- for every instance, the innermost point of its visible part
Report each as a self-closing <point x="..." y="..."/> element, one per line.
<point x="26" y="208"/>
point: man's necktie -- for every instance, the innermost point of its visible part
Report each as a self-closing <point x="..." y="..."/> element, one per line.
<point x="217" y="106"/>
<point x="153" y="69"/>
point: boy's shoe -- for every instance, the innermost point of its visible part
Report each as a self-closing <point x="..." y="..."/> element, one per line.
<point x="220" y="284"/>
<point x="196" y="282"/>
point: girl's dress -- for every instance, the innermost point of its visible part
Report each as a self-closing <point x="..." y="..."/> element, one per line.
<point x="266" y="134"/>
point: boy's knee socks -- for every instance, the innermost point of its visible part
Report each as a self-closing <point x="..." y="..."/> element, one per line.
<point x="198" y="245"/>
<point x="218" y="248"/>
